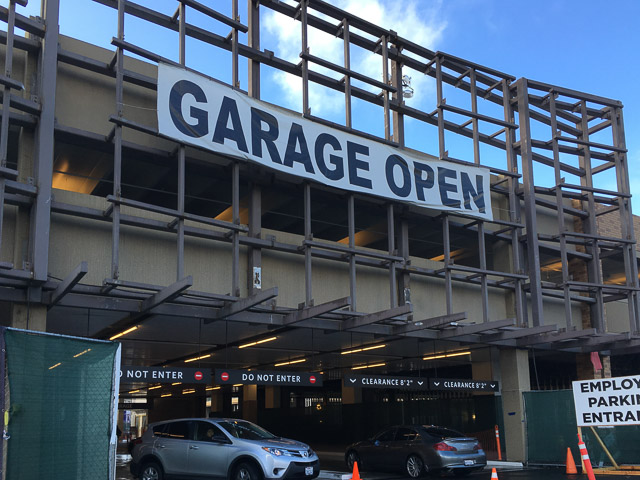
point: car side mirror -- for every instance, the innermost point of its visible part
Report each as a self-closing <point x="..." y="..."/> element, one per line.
<point x="220" y="439"/>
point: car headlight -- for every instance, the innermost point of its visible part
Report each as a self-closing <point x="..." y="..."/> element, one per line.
<point x="274" y="451"/>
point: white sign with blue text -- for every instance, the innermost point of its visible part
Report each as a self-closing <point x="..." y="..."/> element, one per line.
<point x="202" y="112"/>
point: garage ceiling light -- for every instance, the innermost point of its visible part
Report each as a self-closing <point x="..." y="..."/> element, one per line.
<point x="129" y="330"/>
<point x="270" y="339"/>
<point x="197" y="358"/>
<point x="363" y="349"/>
<point x="301" y="360"/>
<point x="447" y="355"/>
<point x="82" y="353"/>
<point x="360" y="367"/>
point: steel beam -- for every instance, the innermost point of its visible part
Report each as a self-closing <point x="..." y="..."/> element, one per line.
<point x="166" y="294"/>
<point x="244" y="304"/>
<point x="433" y="322"/>
<point x="306" y="313"/>
<point x="67" y="284"/>
<point x="370" y="318"/>
<point x="476" y="328"/>
<point x="519" y="333"/>
<point x="556" y="337"/>
<point x="44" y="146"/>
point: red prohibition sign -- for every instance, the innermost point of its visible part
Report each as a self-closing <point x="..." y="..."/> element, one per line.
<point x="198" y="375"/>
<point x="224" y="376"/>
<point x="312" y="379"/>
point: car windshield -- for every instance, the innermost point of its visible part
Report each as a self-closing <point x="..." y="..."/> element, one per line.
<point x="441" y="432"/>
<point x="246" y="430"/>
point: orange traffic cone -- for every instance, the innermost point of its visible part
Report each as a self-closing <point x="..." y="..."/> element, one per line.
<point x="494" y="474"/>
<point x="356" y="474"/>
<point x="571" y="465"/>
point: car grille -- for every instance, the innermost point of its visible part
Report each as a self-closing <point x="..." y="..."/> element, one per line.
<point x="299" y="453"/>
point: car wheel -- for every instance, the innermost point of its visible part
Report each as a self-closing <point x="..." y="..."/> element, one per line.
<point x="414" y="466"/>
<point x="352" y="458"/>
<point x="246" y="471"/>
<point x="151" y="471"/>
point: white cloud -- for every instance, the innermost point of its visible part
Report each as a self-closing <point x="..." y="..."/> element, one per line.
<point x="411" y="20"/>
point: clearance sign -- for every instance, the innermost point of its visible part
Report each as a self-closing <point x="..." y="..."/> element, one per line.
<point x="199" y="111"/>
<point x="608" y="401"/>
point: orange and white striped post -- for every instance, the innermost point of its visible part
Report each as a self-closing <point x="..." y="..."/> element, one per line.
<point x="498" y="443"/>
<point x="585" y="458"/>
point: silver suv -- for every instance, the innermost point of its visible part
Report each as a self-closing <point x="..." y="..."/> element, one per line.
<point x="219" y="448"/>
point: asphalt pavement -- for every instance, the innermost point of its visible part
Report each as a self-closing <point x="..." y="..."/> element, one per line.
<point x="334" y="468"/>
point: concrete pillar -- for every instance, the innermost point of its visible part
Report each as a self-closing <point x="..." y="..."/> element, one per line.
<point x="272" y="397"/>
<point x="250" y="403"/>
<point x="484" y="366"/>
<point x="514" y="366"/>
<point x="217" y="403"/>
<point x="29" y="317"/>
<point x="351" y="395"/>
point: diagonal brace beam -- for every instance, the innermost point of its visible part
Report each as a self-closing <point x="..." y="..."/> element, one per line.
<point x="477" y="328"/>
<point x="596" y="341"/>
<point x="376" y="317"/>
<point x="244" y="304"/>
<point x="166" y="294"/>
<point x="552" y="338"/>
<point x="521" y="332"/>
<point x="433" y="322"/>
<point x="310" y="312"/>
<point x="68" y="283"/>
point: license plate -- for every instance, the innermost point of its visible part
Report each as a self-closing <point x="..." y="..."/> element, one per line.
<point x="469" y="462"/>
<point x="308" y="470"/>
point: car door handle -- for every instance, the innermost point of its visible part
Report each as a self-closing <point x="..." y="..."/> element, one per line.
<point x="194" y="447"/>
<point x="161" y="446"/>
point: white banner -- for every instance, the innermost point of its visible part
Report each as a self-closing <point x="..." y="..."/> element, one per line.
<point x="607" y="401"/>
<point x="199" y="111"/>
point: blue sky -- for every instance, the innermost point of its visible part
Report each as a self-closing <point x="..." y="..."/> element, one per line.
<point x="587" y="45"/>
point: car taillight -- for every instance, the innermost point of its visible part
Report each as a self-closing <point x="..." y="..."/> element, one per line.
<point x="477" y="446"/>
<point x="443" y="447"/>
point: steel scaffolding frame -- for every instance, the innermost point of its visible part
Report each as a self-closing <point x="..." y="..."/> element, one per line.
<point x="570" y="116"/>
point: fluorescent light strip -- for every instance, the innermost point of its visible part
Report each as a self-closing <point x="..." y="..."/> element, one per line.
<point x="124" y="333"/>
<point x="447" y="355"/>
<point x="360" y="367"/>
<point x="291" y="362"/>
<point x="54" y="366"/>
<point x="187" y="392"/>
<point x="363" y="349"/>
<point x="201" y="357"/>
<point x="270" y="339"/>
<point x="82" y="353"/>
<point x="154" y="388"/>
<point x="208" y="389"/>
<point x="165" y="395"/>
<point x="135" y="391"/>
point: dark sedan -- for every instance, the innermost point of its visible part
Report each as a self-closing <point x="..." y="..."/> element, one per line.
<point x="418" y="449"/>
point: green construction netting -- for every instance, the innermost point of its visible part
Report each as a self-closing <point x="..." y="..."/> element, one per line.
<point x="552" y="427"/>
<point x="60" y="399"/>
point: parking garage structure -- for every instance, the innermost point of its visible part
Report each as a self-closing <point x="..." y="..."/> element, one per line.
<point x="279" y="240"/>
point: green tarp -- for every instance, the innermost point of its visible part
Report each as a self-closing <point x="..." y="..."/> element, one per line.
<point x="60" y="398"/>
